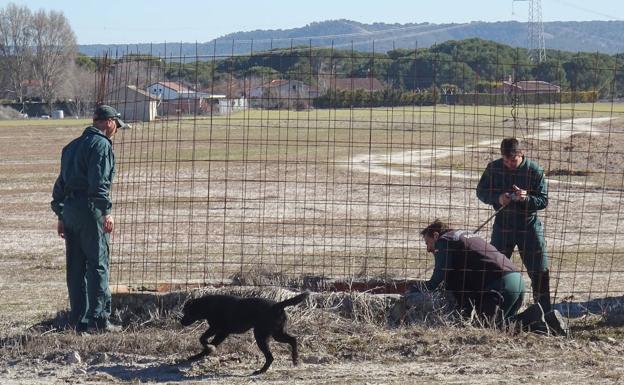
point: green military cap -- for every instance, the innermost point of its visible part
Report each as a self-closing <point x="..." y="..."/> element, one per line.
<point x="104" y="112"/>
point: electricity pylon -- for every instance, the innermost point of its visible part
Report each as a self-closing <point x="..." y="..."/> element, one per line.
<point x="537" y="47"/>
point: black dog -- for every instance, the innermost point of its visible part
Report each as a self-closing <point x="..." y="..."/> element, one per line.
<point x="227" y="314"/>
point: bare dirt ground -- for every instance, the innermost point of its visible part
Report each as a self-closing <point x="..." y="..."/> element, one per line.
<point x="332" y="214"/>
<point x="357" y="347"/>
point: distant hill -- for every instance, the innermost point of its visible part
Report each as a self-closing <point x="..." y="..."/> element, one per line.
<point x="586" y="36"/>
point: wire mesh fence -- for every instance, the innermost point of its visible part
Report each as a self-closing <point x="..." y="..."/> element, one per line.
<point x="327" y="162"/>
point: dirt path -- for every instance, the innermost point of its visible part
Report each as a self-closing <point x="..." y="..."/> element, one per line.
<point x="422" y="162"/>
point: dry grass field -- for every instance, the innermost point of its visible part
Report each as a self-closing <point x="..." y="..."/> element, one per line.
<point x="332" y="193"/>
<point x="343" y="193"/>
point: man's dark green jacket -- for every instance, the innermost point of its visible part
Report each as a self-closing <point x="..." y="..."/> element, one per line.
<point x="497" y="179"/>
<point x="87" y="170"/>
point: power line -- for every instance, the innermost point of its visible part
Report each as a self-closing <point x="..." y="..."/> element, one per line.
<point x="580" y="8"/>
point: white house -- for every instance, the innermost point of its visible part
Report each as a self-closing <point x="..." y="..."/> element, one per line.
<point x="281" y="93"/>
<point x="282" y="88"/>
<point x="134" y="104"/>
<point x="169" y="90"/>
<point x="227" y="106"/>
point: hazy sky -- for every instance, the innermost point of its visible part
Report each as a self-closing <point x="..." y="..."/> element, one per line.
<point x="157" y="21"/>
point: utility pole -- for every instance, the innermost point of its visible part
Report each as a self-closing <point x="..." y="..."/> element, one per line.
<point x="536" y="45"/>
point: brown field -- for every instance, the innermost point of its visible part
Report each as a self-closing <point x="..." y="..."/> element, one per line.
<point x="340" y="194"/>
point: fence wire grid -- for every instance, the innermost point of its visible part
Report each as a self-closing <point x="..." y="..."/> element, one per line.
<point x="327" y="163"/>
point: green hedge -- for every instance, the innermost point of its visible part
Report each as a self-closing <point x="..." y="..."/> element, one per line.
<point x="392" y="97"/>
<point x="385" y="98"/>
<point x="505" y="99"/>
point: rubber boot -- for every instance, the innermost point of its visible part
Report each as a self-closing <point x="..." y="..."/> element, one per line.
<point x="490" y="308"/>
<point x="532" y="319"/>
<point x="541" y="290"/>
<point x="557" y="325"/>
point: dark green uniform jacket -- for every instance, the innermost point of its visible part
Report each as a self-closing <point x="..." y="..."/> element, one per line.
<point x="496" y="179"/>
<point x="87" y="167"/>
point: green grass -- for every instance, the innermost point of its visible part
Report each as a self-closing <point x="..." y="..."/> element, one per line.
<point x="43" y="123"/>
<point x="325" y="135"/>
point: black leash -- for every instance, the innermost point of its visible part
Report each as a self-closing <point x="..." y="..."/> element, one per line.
<point x="490" y="218"/>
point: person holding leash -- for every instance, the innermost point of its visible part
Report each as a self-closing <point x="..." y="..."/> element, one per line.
<point x="516" y="188"/>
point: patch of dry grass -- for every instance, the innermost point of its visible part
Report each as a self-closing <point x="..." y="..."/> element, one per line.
<point x="337" y="333"/>
<point x="330" y="327"/>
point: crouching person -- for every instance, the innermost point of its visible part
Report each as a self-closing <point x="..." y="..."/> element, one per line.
<point x="475" y="272"/>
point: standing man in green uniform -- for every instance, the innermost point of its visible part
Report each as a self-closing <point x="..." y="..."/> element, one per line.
<point x="517" y="185"/>
<point x="477" y="274"/>
<point x="81" y="200"/>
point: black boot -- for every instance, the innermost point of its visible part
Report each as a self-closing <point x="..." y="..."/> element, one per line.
<point x="532" y="319"/>
<point x="557" y="325"/>
<point x="553" y="321"/>
<point x="540" y="284"/>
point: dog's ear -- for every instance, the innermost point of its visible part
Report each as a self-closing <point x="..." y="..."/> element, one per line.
<point x="187" y="305"/>
<point x="188" y="314"/>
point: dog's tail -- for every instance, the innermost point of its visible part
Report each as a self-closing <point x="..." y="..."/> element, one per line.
<point x="292" y="301"/>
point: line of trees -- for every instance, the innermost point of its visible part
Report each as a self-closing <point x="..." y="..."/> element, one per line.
<point x="38" y="51"/>
<point x="467" y="66"/>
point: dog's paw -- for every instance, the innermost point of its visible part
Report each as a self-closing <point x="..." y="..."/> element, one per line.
<point x="183" y="362"/>
<point x="259" y="371"/>
<point x="195" y="357"/>
<point x="208" y="349"/>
